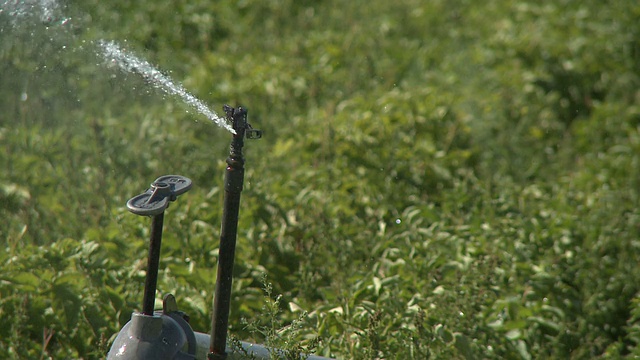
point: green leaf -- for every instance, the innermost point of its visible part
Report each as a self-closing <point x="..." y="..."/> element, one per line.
<point x="547" y="325"/>
<point x="463" y="346"/>
<point x="444" y="334"/>
<point x="25" y="280"/>
<point x="514" y="334"/>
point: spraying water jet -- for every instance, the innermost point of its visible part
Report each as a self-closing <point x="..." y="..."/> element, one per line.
<point x="48" y="17"/>
<point x="130" y="63"/>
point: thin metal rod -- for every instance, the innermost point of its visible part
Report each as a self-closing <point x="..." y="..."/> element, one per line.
<point x="224" y="280"/>
<point x="151" y="280"/>
<point x="233" y="182"/>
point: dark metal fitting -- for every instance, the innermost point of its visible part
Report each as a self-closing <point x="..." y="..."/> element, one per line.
<point x="253" y="133"/>
<point x="156" y="199"/>
<point x="238" y="118"/>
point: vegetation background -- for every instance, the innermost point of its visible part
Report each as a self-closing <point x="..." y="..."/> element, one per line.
<point x="438" y="179"/>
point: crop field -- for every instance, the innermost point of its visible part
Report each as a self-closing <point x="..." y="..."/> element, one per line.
<point x="437" y="179"/>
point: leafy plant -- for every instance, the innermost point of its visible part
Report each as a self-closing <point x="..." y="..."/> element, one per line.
<point x="431" y="184"/>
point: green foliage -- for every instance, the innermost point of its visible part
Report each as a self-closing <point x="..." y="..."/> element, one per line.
<point x="442" y="179"/>
<point x="283" y="340"/>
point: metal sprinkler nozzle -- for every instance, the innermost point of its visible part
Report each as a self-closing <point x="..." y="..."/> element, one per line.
<point x="238" y="118"/>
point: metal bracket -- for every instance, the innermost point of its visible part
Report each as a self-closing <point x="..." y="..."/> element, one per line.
<point x="253" y="133"/>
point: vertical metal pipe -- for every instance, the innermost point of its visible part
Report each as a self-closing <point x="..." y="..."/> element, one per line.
<point x="151" y="280"/>
<point x="233" y="182"/>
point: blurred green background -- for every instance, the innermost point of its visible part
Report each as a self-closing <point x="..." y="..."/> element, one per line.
<point x="438" y="179"/>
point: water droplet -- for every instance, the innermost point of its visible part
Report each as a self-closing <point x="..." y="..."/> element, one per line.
<point x="398" y="221"/>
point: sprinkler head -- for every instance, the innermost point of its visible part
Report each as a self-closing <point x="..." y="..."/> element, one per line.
<point x="238" y="118"/>
<point x="162" y="191"/>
